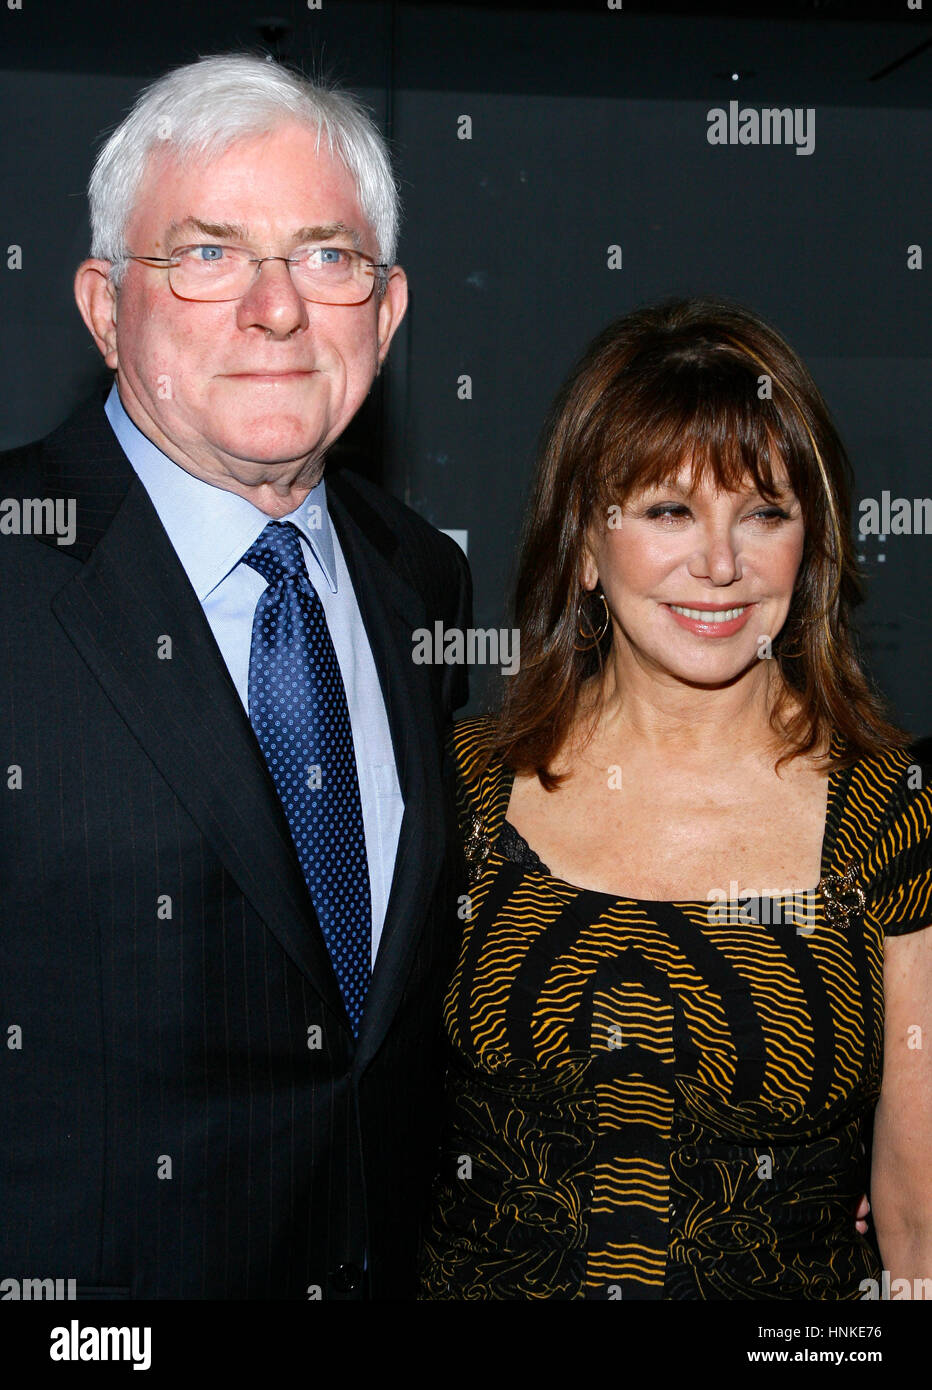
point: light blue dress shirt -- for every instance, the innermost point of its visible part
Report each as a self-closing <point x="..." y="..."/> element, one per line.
<point x="211" y="530"/>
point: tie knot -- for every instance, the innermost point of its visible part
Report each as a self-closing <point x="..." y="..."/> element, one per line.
<point x="277" y="553"/>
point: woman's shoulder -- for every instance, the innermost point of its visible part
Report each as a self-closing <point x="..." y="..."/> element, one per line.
<point x="481" y="778"/>
<point x="885" y="831"/>
<point x="883" y="786"/>
<point x="470" y="742"/>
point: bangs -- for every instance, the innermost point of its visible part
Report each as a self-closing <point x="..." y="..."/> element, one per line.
<point x="707" y="417"/>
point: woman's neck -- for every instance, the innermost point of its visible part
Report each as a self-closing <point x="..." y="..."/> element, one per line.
<point x="675" y="718"/>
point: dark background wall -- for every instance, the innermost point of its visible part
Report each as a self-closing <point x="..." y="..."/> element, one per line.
<point x="588" y="131"/>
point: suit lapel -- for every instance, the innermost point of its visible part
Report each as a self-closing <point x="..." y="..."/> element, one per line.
<point x="131" y="592"/>
<point x="125" y="600"/>
<point x="391" y="610"/>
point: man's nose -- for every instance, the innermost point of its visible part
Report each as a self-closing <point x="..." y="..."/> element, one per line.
<point x="272" y="302"/>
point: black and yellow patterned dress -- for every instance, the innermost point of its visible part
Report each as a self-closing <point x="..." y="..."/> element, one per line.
<point x="658" y="1100"/>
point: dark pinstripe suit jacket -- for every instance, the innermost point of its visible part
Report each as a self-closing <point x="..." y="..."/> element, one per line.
<point x="186" y="1114"/>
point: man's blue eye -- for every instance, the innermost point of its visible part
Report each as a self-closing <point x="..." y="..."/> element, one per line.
<point x="210" y="253"/>
<point x="326" y="256"/>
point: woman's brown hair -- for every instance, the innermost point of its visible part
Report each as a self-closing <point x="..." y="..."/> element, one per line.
<point x="709" y="381"/>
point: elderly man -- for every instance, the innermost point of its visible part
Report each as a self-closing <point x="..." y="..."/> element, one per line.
<point x="228" y="849"/>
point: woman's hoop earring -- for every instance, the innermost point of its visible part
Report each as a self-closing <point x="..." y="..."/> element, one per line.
<point x="592" y="638"/>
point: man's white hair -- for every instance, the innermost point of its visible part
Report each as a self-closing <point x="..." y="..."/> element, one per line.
<point x="198" y="111"/>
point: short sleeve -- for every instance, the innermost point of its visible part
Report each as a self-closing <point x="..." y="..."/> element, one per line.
<point x="460" y="754"/>
<point x="482" y="788"/>
<point x="465" y="745"/>
<point x="897" y="874"/>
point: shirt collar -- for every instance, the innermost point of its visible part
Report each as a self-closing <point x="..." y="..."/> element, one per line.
<point x="211" y="529"/>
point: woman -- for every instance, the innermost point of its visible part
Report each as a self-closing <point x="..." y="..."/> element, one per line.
<point x="701" y="862"/>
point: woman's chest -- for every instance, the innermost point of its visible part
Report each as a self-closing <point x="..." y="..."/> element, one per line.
<point x="775" y="1020"/>
<point x="657" y="837"/>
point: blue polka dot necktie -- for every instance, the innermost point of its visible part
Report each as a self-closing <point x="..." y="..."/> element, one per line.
<point x="298" y="709"/>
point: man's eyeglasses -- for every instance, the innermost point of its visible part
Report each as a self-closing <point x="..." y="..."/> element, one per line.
<point x="321" y="274"/>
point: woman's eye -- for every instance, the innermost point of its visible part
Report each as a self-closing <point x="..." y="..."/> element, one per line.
<point x="660" y="510"/>
<point x="672" y="512"/>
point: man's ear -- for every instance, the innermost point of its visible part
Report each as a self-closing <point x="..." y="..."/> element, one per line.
<point x="97" y="302"/>
<point x="391" y="309"/>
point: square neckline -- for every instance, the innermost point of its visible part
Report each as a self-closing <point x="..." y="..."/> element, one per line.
<point x="838" y="780"/>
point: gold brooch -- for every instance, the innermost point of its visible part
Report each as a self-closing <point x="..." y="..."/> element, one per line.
<point x="844" y="896"/>
<point x="476" y="847"/>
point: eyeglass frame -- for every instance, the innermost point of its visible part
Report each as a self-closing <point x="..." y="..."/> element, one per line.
<point x="168" y="263"/>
